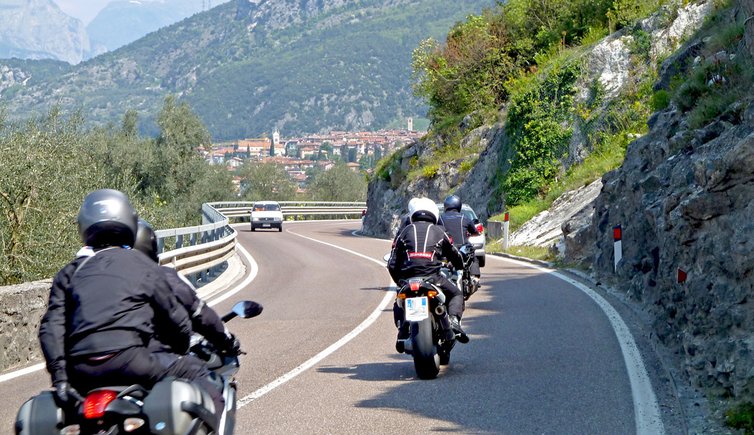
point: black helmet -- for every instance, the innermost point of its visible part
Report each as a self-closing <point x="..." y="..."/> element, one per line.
<point x="106" y="218"/>
<point x="452" y="202"/>
<point x="146" y="240"/>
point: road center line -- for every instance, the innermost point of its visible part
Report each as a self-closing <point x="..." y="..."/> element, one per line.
<point x="389" y="295"/>
<point x="646" y="409"/>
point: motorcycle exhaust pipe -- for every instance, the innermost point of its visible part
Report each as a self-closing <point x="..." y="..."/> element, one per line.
<point x="440" y="310"/>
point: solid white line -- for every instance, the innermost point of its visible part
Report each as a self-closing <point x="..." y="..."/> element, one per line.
<point x="21" y="372"/>
<point x="252" y="274"/>
<point x="389" y="295"/>
<point x="646" y="409"/>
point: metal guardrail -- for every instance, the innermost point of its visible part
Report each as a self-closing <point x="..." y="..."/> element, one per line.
<point x="199" y="249"/>
<point x="296" y="208"/>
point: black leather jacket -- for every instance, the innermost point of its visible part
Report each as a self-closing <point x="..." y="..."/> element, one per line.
<point x="204" y="320"/>
<point x="108" y="302"/>
<point x="418" y="251"/>
<point x="458" y="226"/>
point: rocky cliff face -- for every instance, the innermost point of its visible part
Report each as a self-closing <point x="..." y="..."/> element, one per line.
<point x="387" y="197"/>
<point x="685" y="200"/>
<point x="38" y="29"/>
<point x="609" y="63"/>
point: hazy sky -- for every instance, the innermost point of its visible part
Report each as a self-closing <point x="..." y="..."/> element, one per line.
<point x="84" y="10"/>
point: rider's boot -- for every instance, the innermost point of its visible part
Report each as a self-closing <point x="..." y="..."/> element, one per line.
<point x="400" y="342"/>
<point x="455" y="324"/>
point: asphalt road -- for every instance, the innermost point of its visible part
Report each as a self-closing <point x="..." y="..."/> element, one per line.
<point x="543" y="357"/>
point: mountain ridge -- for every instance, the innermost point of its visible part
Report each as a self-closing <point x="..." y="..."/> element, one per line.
<point x="292" y="65"/>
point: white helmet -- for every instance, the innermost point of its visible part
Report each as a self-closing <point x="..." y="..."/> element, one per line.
<point x="423" y="209"/>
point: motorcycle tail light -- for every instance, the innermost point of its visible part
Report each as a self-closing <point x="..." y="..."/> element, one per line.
<point x="415" y="285"/>
<point x="480" y="228"/>
<point x="96" y="402"/>
<point x="132" y="424"/>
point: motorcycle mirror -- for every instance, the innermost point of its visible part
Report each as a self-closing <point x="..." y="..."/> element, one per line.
<point x="247" y="309"/>
<point x="386" y="257"/>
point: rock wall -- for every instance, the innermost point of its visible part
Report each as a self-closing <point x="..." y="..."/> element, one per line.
<point x="685" y="200"/>
<point x="387" y="200"/>
<point x="22" y="308"/>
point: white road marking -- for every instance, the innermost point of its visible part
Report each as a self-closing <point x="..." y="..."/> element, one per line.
<point x="22" y="372"/>
<point x="252" y="274"/>
<point x="646" y="409"/>
<point x="389" y="296"/>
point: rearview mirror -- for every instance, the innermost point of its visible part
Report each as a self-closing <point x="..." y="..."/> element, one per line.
<point x="247" y="309"/>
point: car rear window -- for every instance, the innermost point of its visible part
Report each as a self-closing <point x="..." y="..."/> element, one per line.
<point x="267" y="207"/>
<point x="469" y="214"/>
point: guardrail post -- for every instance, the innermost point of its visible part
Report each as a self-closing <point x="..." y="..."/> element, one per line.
<point x="179" y="241"/>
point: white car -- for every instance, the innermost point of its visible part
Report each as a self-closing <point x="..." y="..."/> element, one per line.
<point x="266" y="214"/>
<point x="478" y="240"/>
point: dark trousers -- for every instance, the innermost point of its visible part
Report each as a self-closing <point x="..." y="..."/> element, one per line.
<point x="138" y="365"/>
<point x="474" y="268"/>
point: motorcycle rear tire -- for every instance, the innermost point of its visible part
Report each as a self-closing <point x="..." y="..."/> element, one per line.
<point x="426" y="358"/>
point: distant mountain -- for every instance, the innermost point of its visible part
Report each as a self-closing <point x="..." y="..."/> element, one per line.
<point x="38" y="29"/>
<point x="250" y="66"/>
<point x="122" y="22"/>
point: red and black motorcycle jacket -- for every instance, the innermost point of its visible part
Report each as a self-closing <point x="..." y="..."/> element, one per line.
<point x="106" y="303"/>
<point x="418" y="251"/>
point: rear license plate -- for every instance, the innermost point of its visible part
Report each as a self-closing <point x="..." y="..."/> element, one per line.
<point x="417" y="309"/>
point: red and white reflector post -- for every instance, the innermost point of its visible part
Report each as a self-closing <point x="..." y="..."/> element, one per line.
<point x="506" y="227"/>
<point x="617" y="246"/>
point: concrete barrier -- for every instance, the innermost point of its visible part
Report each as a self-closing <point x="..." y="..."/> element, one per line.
<point x="22" y="308"/>
<point x="494" y="230"/>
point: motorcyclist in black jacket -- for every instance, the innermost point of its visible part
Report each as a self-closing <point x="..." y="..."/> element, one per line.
<point x="417" y="252"/>
<point x="204" y="320"/>
<point x="459" y="227"/>
<point x="105" y="309"/>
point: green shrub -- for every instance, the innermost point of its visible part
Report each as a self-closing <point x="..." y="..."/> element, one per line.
<point x="467" y="165"/>
<point x="429" y="171"/>
<point x="538" y="120"/>
<point x="741" y="417"/>
<point x="660" y="100"/>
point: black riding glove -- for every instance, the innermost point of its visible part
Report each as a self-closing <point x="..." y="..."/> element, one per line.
<point x="66" y="394"/>
<point x="232" y="345"/>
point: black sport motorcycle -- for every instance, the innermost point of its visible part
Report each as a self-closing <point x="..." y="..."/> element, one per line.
<point x="430" y="338"/>
<point x="172" y="406"/>
<point x="463" y="278"/>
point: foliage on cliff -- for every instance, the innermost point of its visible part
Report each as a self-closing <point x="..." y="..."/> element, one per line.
<point x="521" y="64"/>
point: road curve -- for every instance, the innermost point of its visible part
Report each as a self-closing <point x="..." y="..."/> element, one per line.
<point x="544" y="357"/>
